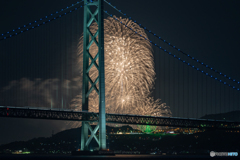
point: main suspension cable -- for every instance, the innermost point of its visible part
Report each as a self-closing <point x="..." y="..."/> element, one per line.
<point x="196" y="60"/>
<point x="207" y="74"/>
<point x="41" y="21"/>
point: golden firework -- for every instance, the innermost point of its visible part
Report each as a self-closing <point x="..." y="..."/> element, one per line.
<point x="129" y="71"/>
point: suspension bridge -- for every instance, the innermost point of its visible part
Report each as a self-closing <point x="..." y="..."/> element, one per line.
<point x="190" y="87"/>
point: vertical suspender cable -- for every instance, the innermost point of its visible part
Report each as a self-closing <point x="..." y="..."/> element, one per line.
<point x="47" y="61"/>
<point x="238" y="105"/>
<point x="37" y="59"/>
<point x="221" y="98"/>
<point x="64" y="61"/>
<point x="72" y="51"/>
<point x="57" y="70"/>
<point x="183" y="89"/>
<point x="169" y="101"/>
<point x="20" y="97"/>
<point x="6" y="97"/>
<point x="225" y="97"/>
<point x="202" y="95"/>
<point x="60" y="67"/>
<point x="232" y="108"/>
<point x="13" y="94"/>
<point x="62" y="54"/>
<point x="66" y="52"/>
<point x="164" y="80"/>
<point x="233" y="102"/>
<point x="44" y="55"/>
<point x="11" y="52"/>
<point x="50" y="64"/>
<point x="4" y="76"/>
<point x="174" y="82"/>
<point x="193" y="97"/>
<point x="211" y="92"/>
<point x="30" y="70"/>
<point x="33" y="65"/>
<point x="188" y="83"/>
<point x="47" y="54"/>
<point x="197" y="95"/>
<point x="216" y="98"/>
<point x="229" y="100"/>
<point x="178" y="87"/>
<point x="206" y="96"/>
<point x="17" y="70"/>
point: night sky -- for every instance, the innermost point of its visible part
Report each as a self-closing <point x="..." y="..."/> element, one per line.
<point x="206" y="30"/>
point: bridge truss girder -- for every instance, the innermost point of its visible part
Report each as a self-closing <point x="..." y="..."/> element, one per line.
<point x="116" y="118"/>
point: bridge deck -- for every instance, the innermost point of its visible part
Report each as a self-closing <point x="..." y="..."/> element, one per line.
<point x="71" y="115"/>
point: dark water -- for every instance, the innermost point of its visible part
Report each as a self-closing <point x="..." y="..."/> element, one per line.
<point x="61" y="157"/>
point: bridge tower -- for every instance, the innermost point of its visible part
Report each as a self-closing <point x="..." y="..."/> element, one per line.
<point x="93" y="12"/>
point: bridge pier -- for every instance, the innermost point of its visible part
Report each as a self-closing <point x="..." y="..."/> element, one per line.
<point x="84" y="136"/>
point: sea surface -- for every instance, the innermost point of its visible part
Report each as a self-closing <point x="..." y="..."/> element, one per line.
<point x="98" y="157"/>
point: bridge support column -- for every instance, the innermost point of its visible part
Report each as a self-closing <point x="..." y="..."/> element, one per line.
<point x="93" y="12"/>
<point x="84" y="136"/>
<point x="102" y="113"/>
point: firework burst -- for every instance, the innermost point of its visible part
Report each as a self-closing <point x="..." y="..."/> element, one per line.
<point x="129" y="71"/>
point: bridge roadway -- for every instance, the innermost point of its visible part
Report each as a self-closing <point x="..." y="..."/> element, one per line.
<point x="71" y="115"/>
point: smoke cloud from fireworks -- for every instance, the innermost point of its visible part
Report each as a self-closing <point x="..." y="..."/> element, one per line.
<point x="129" y="77"/>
